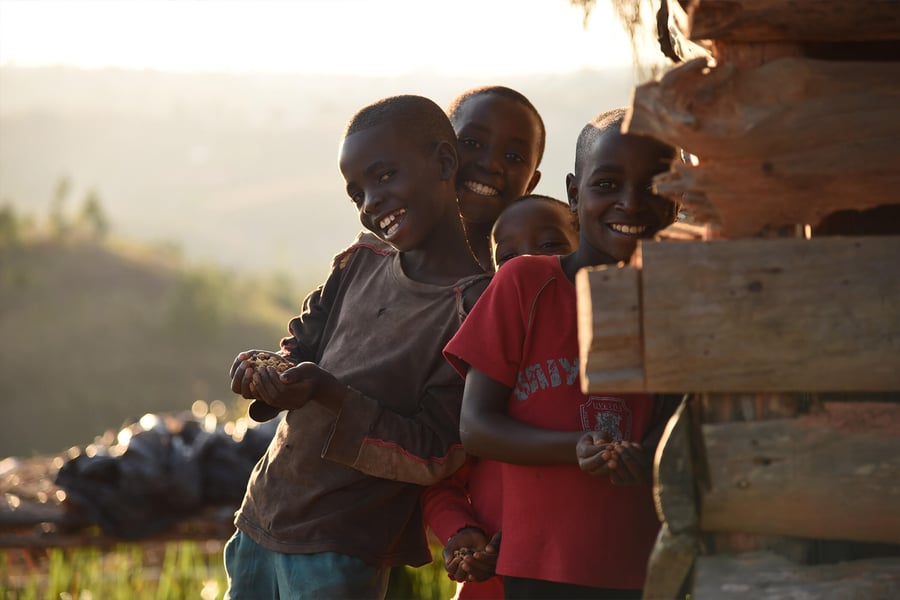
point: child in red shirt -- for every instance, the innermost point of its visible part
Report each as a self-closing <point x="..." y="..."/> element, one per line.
<point x="464" y="510"/>
<point x="566" y="531"/>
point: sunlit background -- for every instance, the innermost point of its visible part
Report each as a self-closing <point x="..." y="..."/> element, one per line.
<point x="170" y="170"/>
<point x="485" y="38"/>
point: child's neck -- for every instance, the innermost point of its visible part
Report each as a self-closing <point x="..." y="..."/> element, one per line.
<point x="479" y="238"/>
<point x="444" y="258"/>
<point x="585" y="256"/>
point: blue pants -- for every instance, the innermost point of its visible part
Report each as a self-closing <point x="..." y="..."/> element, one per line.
<point x="255" y="573"/>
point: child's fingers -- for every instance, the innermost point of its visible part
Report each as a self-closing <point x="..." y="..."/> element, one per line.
<point x="634" y="466"/>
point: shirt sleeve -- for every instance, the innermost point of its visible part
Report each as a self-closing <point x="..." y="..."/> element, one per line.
<point x="447" y="505"/>
<point x="493" y="335"/>
<point x="423" y="448"/>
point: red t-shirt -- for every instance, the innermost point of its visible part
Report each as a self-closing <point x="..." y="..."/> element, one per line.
<point x="559" y="523"/>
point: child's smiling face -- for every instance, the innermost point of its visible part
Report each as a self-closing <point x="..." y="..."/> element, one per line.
<point x="392" y="180"/>
<point x="613" y="195"/>
<point x="498" y="155"/>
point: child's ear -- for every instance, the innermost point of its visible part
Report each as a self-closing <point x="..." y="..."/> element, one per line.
<point x="572" y="192"/>
<point x="448" y="159"/>
<point x="534" y="181"/>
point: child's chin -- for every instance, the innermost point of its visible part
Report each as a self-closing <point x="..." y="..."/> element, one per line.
<point x="392" y="243"/>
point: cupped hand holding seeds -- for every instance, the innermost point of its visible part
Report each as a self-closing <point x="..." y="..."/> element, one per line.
<point x="470" y="556"/>
<point x="622" y="461"/>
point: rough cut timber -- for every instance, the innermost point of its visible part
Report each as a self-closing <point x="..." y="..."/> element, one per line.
<point x="767" y="576"/>
<point x="796" y="20"/>
<point x="777" y="315"/>
<point x="831" y="475"/>
<point x="783" y="144"/>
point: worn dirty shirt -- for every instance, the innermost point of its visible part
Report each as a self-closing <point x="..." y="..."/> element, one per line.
<point x="350" y="482"/>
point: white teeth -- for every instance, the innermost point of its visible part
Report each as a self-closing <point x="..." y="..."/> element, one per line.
<point x="628" y="229"/>
<point x="480" y="188"/>
<point x="388" y="224"/>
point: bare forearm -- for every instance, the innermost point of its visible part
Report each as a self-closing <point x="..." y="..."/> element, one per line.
<point x="505" y="439"/>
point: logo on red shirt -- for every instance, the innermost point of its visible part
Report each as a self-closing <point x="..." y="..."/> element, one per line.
<point x="607" y="414"/>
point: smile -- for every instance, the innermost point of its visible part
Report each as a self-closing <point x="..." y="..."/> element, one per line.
<point x="391" y="223"/>
<point x="628" y="229"/>
<point x="480" y="188"/>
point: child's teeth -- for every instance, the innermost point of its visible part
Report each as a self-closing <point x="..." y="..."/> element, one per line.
<point x="629" y="229"/>
<point x="481" y="189"/>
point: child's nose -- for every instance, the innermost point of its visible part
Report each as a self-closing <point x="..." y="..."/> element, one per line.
<point x="491" y="159"/>
<point x="371" y="202"/>
<point x="630" y="200"/>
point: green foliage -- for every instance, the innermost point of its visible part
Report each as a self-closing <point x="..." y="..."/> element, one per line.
<point x="128" y="572"/>
<point x="199" y="303"/>
<point x="125" y="331"/>
<point x="58" y="224"/>
<point x="280" y="287"/>
<point x="10" y="229"/>
<point x="92" y="217"/>
<point x="428" y="582"/>
<point x="180" y="571"/>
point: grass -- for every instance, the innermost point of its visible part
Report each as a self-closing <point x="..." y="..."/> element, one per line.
<point x="170" y="571"/>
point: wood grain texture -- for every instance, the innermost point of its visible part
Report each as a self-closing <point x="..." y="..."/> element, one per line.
<point x="766" y="576"/>
<point x="780" y="315"/>
<point x="786" y="143"/>
<point x="670" y="564"/>
<point x="609" y="328"/>
<point x="796" y="20"/>
<point x="824" y="476"/>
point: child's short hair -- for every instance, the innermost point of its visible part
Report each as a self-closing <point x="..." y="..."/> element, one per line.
<point x="594" y="129"/>
<point x="505" y="92"/>
<point x="556" y="202"/>
<point x="414" y="115"/>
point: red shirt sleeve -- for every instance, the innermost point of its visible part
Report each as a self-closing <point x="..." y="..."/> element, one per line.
<point x="493" y="335"/>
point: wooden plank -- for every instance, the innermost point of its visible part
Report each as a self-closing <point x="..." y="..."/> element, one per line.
<point x="832" y="475"/>
<point x="670" y="564"/>
<point x="747" y="316"/>
<point x="674" y="489"/>
<point x="611" y="334"/>
<point x="796" y="20"/>
<point x="771" y="315"/>
<point x="766" y="576"/>
<point x="673" y="27"/>
<point x="786" y="143"/>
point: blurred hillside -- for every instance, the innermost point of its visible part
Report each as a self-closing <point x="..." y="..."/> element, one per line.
<point x="237" y="168"/>
<point x="95" y="333"/>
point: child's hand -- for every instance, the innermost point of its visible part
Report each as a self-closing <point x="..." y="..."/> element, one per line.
<point x="296" y="386"/>
<point x="482" y="564"/>
<point x="595" y="455"/>
<point x="469" y="556"/>
<point x="633" y="464"/>
<point x="241" y="374"/>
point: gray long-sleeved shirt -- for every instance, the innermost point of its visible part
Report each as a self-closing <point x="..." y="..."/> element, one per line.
<point x="350" y="482"/>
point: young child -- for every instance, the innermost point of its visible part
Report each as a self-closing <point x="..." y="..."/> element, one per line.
<point x="464" y="510"/>
<point x="501" y="140"/>
<point x="373" y="407"/>
<point x="534" y="224"/>
<point x="566" y="533"/>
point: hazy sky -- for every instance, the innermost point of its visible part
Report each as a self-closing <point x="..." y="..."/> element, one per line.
<point x="378" y="37"/>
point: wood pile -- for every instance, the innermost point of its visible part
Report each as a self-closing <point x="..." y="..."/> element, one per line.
<point x="778" y="477"/>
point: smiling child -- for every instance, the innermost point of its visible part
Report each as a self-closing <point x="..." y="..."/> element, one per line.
<point x="523" y="404"/>
<point x="372" y="406"/>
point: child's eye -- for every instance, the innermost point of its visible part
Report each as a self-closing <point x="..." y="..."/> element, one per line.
<point x="506" y="257"/>
<point x="385" y="176"/>
<point x="513" y="157"/>
<point x="551" y="245"/>
<point x="470" y="142"/>
<point x="606" y="185"/>
<point x="357" y="197"/>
